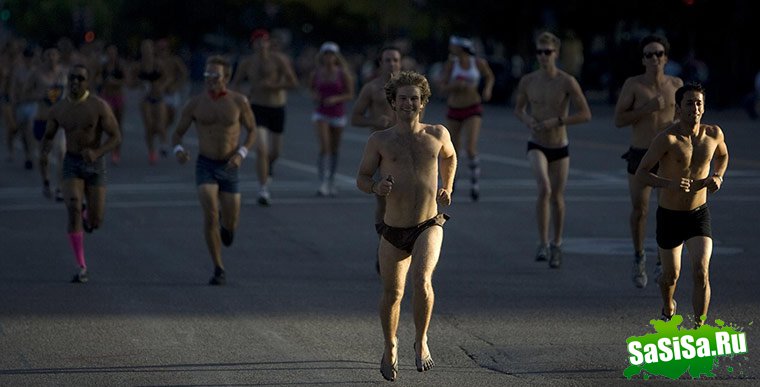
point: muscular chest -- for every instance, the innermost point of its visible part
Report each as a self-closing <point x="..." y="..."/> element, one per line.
<point x="693" y="152"/>
<point x="77" y="117"/>
<point x="218" y="113"/>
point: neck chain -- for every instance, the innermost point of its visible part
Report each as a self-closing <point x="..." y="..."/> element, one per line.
<point x="80" y="99"/>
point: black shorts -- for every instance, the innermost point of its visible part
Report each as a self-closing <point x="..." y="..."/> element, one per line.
<point x="272" y="118"/>
<point x="552" y="154"/>
<point x="675" y="227"/>
<point x="208" y="171"/>
<point x="93" y="174"/>
<point x="634" y="156"/>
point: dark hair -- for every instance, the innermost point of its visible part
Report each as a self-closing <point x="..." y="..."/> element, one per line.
<point x="689" y="86"/>
<point x="387" y="48"/>
<point x="407" y="78"/>
<point x="655" y="39"/>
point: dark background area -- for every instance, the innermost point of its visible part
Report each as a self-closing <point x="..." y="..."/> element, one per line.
<point x="717" y="33"/>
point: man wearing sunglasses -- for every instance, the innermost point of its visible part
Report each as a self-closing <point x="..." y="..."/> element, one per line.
<point x="85" y="118"/>
<point x="218" y="115"/>
<point x="647" y="104"/>
<point x="549" y="92"/>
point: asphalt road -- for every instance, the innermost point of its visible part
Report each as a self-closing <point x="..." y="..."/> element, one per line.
<point x="300" y="307"/>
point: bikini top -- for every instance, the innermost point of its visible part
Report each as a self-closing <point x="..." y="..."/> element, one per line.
<point x="470" y="75"/>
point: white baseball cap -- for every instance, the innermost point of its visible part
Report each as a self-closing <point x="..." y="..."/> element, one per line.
<point x="329" y="46"/>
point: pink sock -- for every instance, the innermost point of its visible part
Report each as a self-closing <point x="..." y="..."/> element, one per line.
<point x="76" y="240"/>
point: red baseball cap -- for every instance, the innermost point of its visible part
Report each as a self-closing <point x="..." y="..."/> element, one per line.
<point x="258" y="34"/>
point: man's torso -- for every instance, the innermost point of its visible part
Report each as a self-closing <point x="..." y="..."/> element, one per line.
<point x="261" y="69"/>
<point x="218" y="125"/>
<point x="645" y="129"/>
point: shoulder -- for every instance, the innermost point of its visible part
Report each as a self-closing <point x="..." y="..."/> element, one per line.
<point x="713" y="131"/>
<point x="237" y="97"/>
<point x="632" y="82"/>
<point x="436" y="130"/>
<point x="675" y="81"/>
<point x="96" y="101"/>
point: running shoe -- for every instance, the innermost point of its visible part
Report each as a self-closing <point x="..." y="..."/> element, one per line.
<point x="324" y="189"/>
<point x="81" y="277"/>
<point x="264" y="198"/>
<point x="555" y="256"/>
<point x="640" y="271"/>
<point x="542" y="253"/>
<point x="219" y="278"/>
<point x="475" y="193"/>
<point x="665" y="317"/>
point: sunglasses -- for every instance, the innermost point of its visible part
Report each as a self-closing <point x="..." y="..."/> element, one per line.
<point x="544" y="52"/>
<point x="212" y="75"/>
<point x="77" y="77"/>
<point x="649" y="55"/>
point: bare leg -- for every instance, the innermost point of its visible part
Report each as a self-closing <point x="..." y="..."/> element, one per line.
<point x="640" y="201"/>
<point x="425" y="256"/>
<point x="394" y="266"/>
<point x="262" y="156"/>
<point x="208" y="195"/>
<point x="671" y="269"/>
<point x="700" y="250"/>
<point x="558" y="171"/>
<point x="540" y="171"/>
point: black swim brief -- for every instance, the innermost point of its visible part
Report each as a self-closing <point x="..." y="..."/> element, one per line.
<point x="404" y="238"/>
<point x="634" y="156"/>
<point x="675" y="227"/>
<point x="552" y="154"/>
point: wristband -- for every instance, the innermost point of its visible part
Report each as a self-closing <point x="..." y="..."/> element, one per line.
<point x="719" y="177"/>
<point x="178" y="148"/>
<point x="560" y="121"/>
<point x="243" y="151"/>
<point x="372" y="189"/>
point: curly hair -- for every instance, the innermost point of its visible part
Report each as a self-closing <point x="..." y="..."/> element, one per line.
<point x="408" y="78"/>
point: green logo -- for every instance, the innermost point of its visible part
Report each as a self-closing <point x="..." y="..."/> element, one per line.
<point x="671" y="352"/>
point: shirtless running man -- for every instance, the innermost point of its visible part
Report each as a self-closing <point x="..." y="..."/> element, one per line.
<point x="84" y="118"/>
<point x="647" y="104"/>
<point x="409" y="156"/>
<point x="372" y="110"/>
<point x="218" y="114"/>
<point x="549" y="91"/>
<point x="270" y="74"/>
<point x="685" y="151"/>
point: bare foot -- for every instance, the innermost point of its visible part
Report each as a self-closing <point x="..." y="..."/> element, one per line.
<point x="423" y="362"/>
<point x="389" y="362"/>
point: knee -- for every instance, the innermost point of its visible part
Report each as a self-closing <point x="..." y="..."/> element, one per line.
<point x="640" y="210"/>
<point x="393" y="295"/>
<point x="211" y="219"/>
<point x="669" y="278"/>
<point x="557" y="198"/>
<point x="544" y="191"/>
<point x="423" y="284"/>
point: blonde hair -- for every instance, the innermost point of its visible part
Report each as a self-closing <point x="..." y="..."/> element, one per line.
<point x="547" y="37"/>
